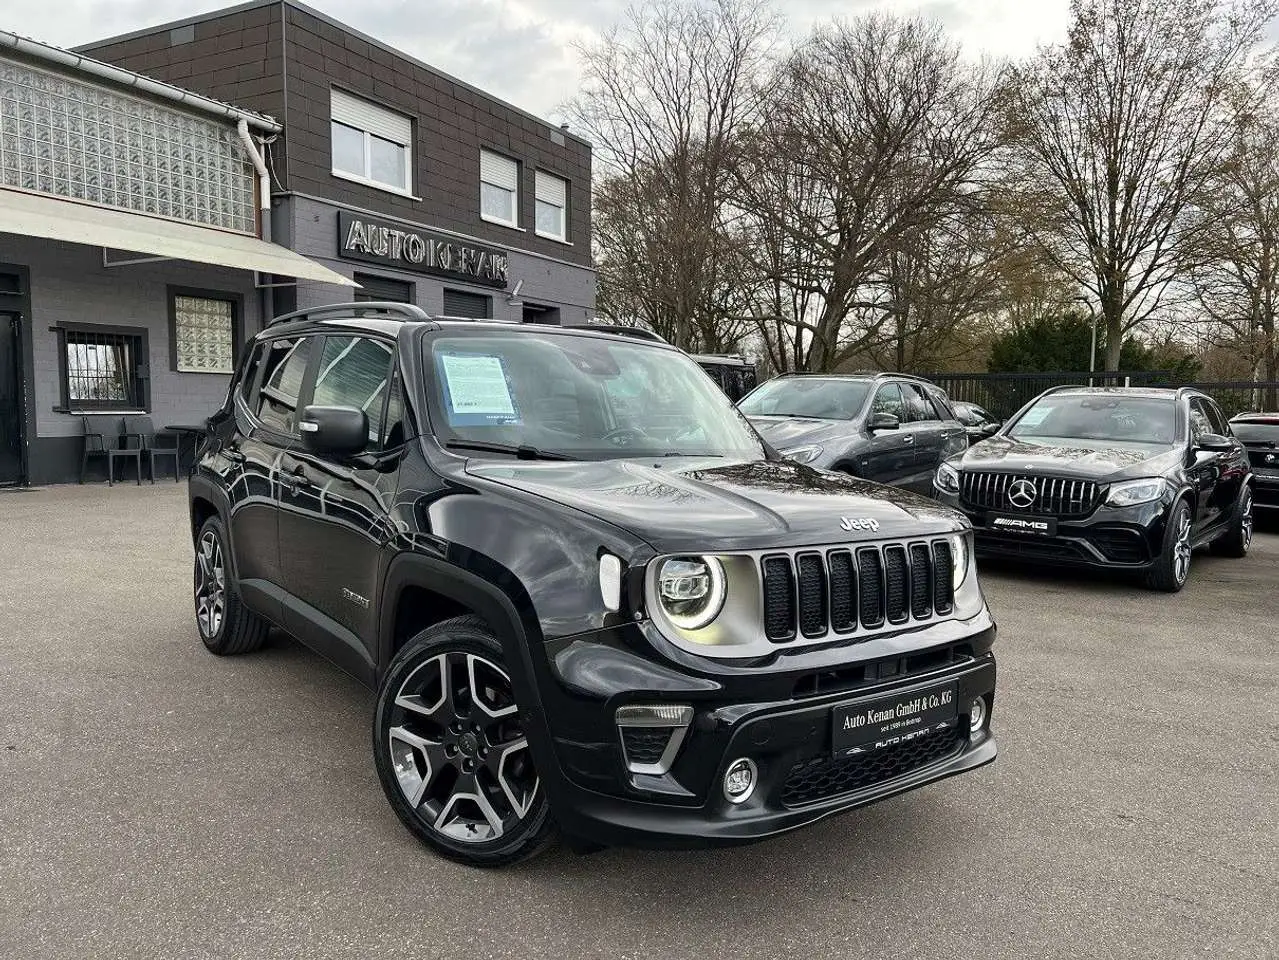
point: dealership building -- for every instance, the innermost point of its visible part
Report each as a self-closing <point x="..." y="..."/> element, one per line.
<point x="164" y="192"/>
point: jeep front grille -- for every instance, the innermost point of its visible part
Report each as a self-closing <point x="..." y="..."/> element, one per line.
<point x="812" y="593"/>
<point x="1053" y="496"/>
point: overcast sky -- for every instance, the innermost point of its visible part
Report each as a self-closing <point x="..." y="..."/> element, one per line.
<point x="520" y="50"/>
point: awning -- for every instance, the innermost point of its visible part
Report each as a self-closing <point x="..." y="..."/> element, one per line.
<point x="32" y="215"/>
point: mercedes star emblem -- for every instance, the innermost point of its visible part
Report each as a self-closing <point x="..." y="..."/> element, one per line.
<point x="1022" y="493"/>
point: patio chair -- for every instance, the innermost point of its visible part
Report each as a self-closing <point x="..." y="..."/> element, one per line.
<point x="103" y="438"/>
<point x="161" y="445"/>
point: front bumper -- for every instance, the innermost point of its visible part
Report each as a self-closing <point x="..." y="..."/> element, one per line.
<point x="1128" y="538"/>
<point x="789" y="739"/>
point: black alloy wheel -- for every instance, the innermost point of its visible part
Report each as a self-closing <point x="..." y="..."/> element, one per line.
<point x="451" y="753"/>
<point x="226" y="626"/>
<point x="1238" y="538"/>
<point x="1171" y="569"/>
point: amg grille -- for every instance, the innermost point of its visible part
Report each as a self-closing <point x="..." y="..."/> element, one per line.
<point x="821" y="778"/>
<point x="813" y="594"/>
<point x="1052" y="496"/>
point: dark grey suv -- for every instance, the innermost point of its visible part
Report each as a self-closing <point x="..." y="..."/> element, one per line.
<point x="887" y="427"/>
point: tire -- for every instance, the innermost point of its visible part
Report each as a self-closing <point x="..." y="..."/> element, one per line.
<point x="226" y="625"/>
<point x="1170" y="572"/>
<point x="451" y="753"/>
<point x="1238" y="538"/>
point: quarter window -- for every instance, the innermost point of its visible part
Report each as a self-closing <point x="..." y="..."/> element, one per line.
<point x="353" y="373"/>
<point x="552" y="206"/>
<point x="371" y="144"/>
<point x="282" y="381"/>
<point x="499" y="188"/>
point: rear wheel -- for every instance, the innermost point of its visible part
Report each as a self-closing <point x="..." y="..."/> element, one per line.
<point x="1172" y="569"/>
<point x="451" y="752"/>
<point x="1236" y="540"/>
<point x="226" y="625"/>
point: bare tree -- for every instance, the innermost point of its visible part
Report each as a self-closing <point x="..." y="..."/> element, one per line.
<point x="871" y="129"/>
<point x="664" y="97"/>
<point x="1122" y="126"/>
<point x="1234" y="265"/>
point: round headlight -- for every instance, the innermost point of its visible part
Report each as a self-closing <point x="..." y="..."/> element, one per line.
<point x="959" y="558"/>
<point x="691" y="590"/>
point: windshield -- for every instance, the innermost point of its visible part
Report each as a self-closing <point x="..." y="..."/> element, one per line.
<point x="1100" y="417"/>
<point x="822" y="398"/>
<point x="580" y="397"/>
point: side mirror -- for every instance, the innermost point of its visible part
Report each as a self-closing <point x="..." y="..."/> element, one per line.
<point x="336" y="431"/>
<point x="1214" y="443"/>
<point x="883" y="421"/>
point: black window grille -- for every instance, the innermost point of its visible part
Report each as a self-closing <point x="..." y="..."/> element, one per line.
<point x="103" y="369"/>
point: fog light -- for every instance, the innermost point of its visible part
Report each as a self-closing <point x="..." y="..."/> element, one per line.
<point x="977" y="715"/>
<point x="740" y="779"/>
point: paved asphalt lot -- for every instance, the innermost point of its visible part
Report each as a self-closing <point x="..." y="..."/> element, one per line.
<point x="157" y="802"/>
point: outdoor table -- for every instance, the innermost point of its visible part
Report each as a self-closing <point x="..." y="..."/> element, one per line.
<point x="188" y="435"/>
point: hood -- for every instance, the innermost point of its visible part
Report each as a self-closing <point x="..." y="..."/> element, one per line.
<point x="1079" y="459"/>
<point x="786" y="433"/>
<point x="697" y="505"/>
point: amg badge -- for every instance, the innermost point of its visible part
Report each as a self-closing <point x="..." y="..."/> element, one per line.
<point x="859" y="523"/>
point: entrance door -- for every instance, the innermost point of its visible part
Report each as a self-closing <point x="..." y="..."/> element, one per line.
<point x="11" y="412"/>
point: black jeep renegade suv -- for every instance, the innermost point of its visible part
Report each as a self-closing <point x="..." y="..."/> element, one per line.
<point x="588" y="595"/>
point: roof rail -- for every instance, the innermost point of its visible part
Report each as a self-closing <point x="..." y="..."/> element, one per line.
<point x="386" y="309"/>
<point x="639" y="333"/>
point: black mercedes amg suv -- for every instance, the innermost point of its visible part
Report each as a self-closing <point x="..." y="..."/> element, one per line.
<point x="587" y="594"/>
<point x="1119" y="478"/>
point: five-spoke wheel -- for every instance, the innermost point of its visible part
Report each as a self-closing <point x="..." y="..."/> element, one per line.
<point x="452" y="752"/>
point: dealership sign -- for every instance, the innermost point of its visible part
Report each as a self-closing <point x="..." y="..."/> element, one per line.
<point x="422" y="251"/>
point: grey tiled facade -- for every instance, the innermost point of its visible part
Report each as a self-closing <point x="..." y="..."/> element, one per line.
<point x="284" y="59"/>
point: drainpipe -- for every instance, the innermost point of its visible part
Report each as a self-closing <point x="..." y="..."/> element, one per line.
<point x="264" y="176"/>
<point x="265" y="306"/>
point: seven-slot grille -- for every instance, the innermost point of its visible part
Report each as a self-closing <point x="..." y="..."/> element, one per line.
<point x="812" y="593"/>
<point x="1053" y="496"/>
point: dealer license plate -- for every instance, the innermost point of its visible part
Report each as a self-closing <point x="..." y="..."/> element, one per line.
<point x="871" y="725"/>
<point x="1030" y="526"/>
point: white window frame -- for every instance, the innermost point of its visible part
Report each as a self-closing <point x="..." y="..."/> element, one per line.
<point x="551" y="189"/>
<point x="372" y="120"/>
<point x="503" y="178"/>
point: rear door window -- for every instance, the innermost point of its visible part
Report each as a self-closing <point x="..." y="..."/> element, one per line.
<point x="917" y="404"/>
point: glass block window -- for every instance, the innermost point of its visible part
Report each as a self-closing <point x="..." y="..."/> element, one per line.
<point x="203" y="334"/>
<point x="72" y="139"/>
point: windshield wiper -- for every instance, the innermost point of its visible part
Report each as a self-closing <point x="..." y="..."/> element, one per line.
<point x="519" y="451"/>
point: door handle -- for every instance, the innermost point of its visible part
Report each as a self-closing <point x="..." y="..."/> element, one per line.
<point x="908" y="439"/>
<point x="232" y="454"/>
<point x="298" y="478"/>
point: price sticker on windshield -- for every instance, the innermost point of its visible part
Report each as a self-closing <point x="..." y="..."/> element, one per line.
<point x="476" y="390"/>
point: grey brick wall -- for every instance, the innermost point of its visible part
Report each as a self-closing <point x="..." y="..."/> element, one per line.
<point x="311" y="227"/>
<point x="70" y="284"/>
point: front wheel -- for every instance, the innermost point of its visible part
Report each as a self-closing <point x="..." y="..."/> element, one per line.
<point x="1172" y="569"/>
<point x="451" y="753"/>
<point x="1236" y="540"/>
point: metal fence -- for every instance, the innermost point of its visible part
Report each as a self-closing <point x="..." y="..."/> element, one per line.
<point x="1003" y="394"/>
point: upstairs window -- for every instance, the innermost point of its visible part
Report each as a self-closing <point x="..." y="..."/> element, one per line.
<point x="371" y="145"/>
<point x="552" y="206"/>
<point x="499" y="189"/>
